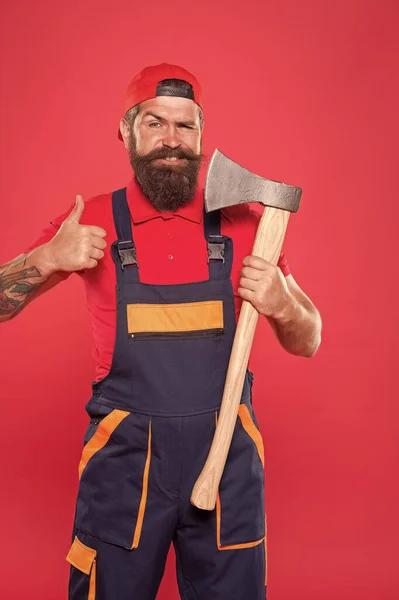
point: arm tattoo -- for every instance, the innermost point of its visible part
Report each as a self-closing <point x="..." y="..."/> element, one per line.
<point x="17" y="284"/>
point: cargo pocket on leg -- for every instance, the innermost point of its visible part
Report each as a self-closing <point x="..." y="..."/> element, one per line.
<point x="240" y="514"/>
<point x="115" y="477"/>
<point x="83" y="559"/>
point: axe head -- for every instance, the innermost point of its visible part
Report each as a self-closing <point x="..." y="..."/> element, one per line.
<point x="227" y="184"/>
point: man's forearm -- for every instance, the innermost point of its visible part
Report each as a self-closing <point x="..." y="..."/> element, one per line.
<point x="299" y="330"/>
<point x="19" y="279"/>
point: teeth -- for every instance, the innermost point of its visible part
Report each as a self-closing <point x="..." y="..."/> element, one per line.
<point x="173" y="158"/>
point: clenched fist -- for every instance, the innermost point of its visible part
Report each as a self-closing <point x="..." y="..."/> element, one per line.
<point x="75" y="247"/>
<point x="264" y="285"/>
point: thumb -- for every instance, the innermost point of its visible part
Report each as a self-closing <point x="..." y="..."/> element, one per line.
<point x="77" y="211"/>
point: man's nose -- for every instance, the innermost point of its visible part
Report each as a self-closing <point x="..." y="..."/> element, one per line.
<point x="171" y="138"/>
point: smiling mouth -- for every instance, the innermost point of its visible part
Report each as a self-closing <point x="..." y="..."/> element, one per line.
<point x="170" y="160"/>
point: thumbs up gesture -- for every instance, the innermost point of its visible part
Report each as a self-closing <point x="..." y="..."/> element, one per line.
<point x="76" y="247"/>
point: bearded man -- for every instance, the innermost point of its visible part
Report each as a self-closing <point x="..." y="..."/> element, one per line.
<point x="162" y="341"/>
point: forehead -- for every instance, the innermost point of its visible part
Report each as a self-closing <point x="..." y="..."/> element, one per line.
<point x="170" y="108"/>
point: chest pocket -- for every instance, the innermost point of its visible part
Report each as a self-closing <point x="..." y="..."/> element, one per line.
<point x="182" y="320"/>
<point x="178" y="354"/>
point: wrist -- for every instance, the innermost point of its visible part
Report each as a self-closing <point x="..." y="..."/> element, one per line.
<point x="42" y="258"/>
<point x="289" y="312"/>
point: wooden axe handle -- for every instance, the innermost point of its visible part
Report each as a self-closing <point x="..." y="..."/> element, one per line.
<point x="268" y="243"/>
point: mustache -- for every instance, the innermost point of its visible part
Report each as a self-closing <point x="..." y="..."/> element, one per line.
<point x="164" y="153"/>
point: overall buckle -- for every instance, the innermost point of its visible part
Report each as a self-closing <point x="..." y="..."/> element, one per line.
<point x="127" y="254"/>
<point x="216" y="248"/>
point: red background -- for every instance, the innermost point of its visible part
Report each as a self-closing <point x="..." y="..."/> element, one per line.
<point x="304" y="92"/>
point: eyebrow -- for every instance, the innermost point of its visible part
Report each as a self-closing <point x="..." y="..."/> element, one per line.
<point x="189" y="123"/>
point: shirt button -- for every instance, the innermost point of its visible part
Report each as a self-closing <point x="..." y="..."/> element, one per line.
<point x="170" y="257"/>
<point x="169" y="236"/>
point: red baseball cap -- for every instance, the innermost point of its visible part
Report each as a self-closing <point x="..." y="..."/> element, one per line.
<point x="149" y="84"/>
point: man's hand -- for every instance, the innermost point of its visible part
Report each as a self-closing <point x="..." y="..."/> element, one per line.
<point x="290" y="312"/>
<point x="75" y="247"/>
<point x="264" y="286"/>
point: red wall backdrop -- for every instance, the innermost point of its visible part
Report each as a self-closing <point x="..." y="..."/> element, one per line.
<point x="300" y="91"/>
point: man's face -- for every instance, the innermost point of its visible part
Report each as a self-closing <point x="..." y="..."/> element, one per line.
<point x="164" y="147"/>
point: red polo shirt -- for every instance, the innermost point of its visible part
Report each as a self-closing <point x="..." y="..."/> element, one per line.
<point x="171" y="249"/>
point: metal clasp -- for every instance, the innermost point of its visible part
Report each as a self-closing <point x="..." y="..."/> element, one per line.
<point x="127" y="255"/>
<point x="215" y="248"/>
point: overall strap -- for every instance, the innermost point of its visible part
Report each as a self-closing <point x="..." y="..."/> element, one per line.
<point x="220" y="247"/>
<point x="124" y="248"/>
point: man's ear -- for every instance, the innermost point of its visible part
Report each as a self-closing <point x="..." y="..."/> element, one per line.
<point x="125" y="132"/>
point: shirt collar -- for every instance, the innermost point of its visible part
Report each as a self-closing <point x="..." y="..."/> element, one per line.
<point x="142" y="210"/>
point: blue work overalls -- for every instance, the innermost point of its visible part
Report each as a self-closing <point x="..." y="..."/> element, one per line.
<point x="153" y="418"/>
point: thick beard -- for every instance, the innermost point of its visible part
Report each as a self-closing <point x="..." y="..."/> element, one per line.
<point x="166" y="187"/>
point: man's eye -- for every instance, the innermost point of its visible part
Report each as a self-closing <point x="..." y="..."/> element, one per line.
<point x="155" y="124"/>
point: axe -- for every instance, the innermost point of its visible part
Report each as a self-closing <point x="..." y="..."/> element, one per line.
<point x="228" y="184"/>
